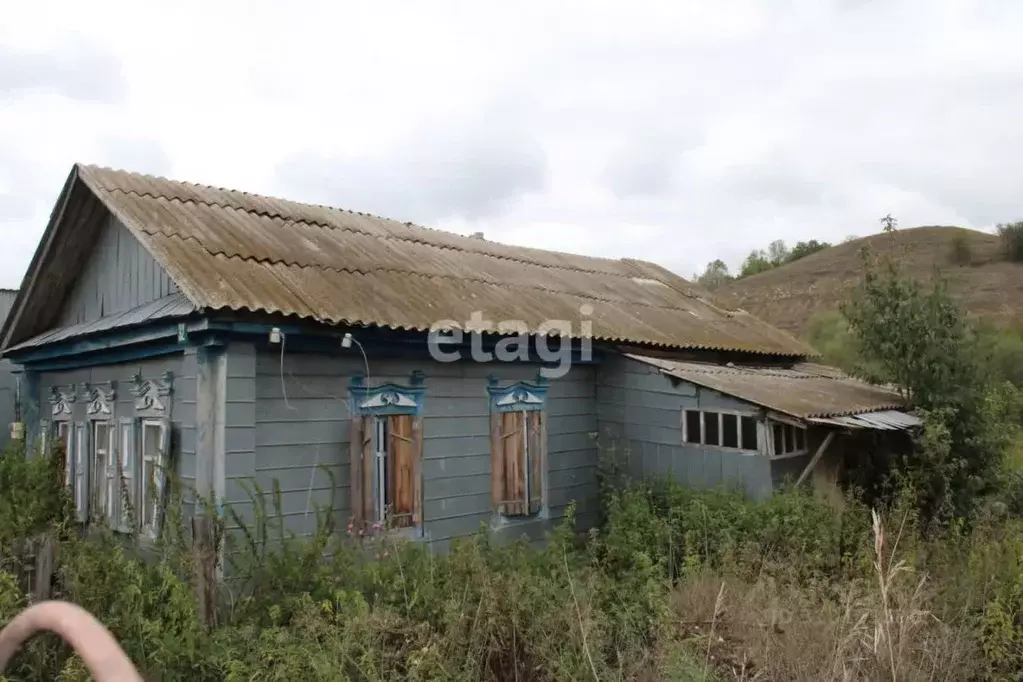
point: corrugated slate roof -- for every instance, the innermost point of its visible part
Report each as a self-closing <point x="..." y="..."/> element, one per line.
<point x="233" y="250"/>
<point x="805" y="390"/>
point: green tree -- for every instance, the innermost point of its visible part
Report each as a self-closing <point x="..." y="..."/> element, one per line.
<point x="1012" y="241"/>
<point x="920" y="341"/>
<point x="714" y="275"/>
<point x="804" y="249"/>
<point x="756" y="262"/>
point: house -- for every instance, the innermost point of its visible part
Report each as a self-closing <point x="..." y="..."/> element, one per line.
<point x="385" y="368"/>
<point x="8" y="378"/>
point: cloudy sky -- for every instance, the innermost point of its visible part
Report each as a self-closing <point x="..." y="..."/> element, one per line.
<point x="677" y="131"/>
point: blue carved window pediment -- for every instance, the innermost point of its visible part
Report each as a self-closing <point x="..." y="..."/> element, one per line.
<point x="517" y="397"/>
<point x="386" y="399"/>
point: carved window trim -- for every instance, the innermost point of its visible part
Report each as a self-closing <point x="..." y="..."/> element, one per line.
<point x="62" y="403"/>
<point x="386" y="399"/>
<point x="518" y="448"/>
<point x="153" y="396"/>
<point x="100" y="400"/>
<point x="521" y="396"/>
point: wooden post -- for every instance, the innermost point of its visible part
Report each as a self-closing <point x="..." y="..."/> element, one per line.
<point x="44" y="561"/>
<point x="205" y="551"/>
<point x="816" y="457"/>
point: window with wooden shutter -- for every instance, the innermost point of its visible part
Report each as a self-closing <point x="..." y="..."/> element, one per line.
<point x="81" y="457"/>
<point x="386" y="447"/>
<point x="518" y="448"/>
<point x="127" y="493"/>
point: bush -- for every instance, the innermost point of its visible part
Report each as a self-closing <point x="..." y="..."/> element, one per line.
<point x="1012" y="241"/>
<point x="960" y="252"/>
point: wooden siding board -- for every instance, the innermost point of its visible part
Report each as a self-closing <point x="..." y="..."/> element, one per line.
<point x="119" y="274"/>
<point x="456" y="469"/>
<point x="642" y="409"/>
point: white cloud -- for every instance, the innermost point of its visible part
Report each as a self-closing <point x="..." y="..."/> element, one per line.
<point x="674" y="131"/>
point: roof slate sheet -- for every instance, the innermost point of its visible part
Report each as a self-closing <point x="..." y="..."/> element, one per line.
<point x="805" y="390"/>
<point x="166" y="308"/>
<point x="233" y="250"/>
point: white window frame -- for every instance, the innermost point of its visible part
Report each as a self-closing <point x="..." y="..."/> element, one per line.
<point x="69" y="447"/>
<point x="157" y="462"/>
<point x="103" y="463"/>
<point x="381" y="454"/>
<point x="126" y="471"/>
<point x="738" y="425"/>
<point x="787" y="426"/>
<point x="82" y="432"/>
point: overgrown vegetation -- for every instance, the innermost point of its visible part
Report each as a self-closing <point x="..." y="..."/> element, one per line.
<point x="1012" y="241"/>
<point x="676" y="585"/>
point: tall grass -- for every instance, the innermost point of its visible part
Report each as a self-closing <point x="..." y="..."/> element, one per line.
<point x="676" y="584"/>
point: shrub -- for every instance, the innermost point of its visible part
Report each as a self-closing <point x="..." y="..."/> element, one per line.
<point x="1012" y="241"/>
<point x="960" y="252"/>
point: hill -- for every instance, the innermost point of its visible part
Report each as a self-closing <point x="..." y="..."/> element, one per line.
<point x="790" y="295"/>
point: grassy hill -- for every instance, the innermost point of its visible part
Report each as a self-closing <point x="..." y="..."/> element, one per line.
<point x="985" y="284"/>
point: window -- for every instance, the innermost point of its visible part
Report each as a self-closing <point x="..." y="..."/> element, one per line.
<point x="518" y="447"/>
<point x="788" y="439"/>
<point x="127" y="481"/>
<point x="386" y="448"/>
<point x="720" y="429"/>
<point x="521" y="453"/>
<point x="394" y="447"/>
<point x="730" y="430"/>
<point x="104" y="466"/>
<point x="81" y="464"/>
<point x="64" y="441"/>
<point x="692" y="427"/>
<point x="711" y="428"/>
<point x="155" y="443"/>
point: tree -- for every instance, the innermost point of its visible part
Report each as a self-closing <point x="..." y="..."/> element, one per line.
<point x="804" y="249"/>
<point x="888" y="223"/>
<point x="921" y="342"/>
<point x="777" y="253"/>
<point x="714" y="275"/>
<point x="1012" y="241"/>
<point x="756" y="262"/>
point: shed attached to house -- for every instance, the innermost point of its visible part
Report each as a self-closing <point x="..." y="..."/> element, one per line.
<point x="386" y="372"/>
<point x="750" y="426"/>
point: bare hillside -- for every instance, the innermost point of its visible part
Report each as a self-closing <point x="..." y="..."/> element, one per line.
<point x="790" y="295"/>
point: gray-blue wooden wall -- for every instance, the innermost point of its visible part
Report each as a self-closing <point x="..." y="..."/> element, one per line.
<point x="640" y="414"/>
<point x="183" y="365"/>
<point x="119" y="275"/>
<point x="286" y="419"/>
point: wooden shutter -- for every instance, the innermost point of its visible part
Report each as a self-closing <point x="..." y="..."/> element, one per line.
<point x="513" y="437"/>
<point x="417" y="470"/>
<point x="401" y="470"/>
<point x="360" y="447"/>
<point x="537" y="458"/>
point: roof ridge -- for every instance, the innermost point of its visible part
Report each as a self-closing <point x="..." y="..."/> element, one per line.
<point x="407" y="223"/>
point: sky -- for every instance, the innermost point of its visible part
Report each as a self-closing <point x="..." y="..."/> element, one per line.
<point x="677" y="132"/>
